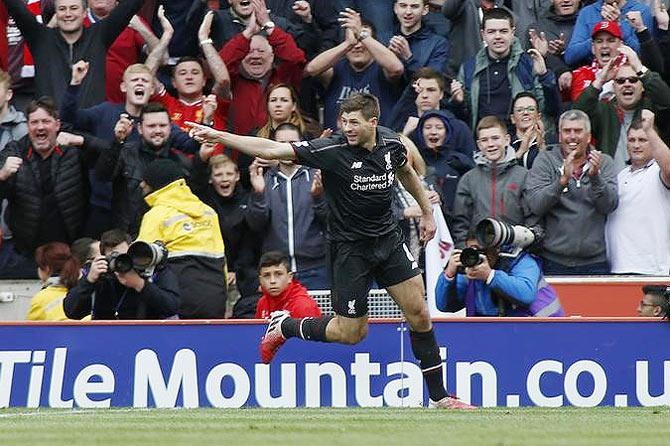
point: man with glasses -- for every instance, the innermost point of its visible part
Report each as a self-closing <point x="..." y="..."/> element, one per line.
<point x="655" y="301"/>
<point x="635" y="87"/>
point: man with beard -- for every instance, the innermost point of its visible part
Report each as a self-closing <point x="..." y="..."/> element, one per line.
<point x="125" y="162"/>
<point x="56" y="49"/>
<point x="636" y="87"/>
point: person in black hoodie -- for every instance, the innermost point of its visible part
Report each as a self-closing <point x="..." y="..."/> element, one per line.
<point x="446" y="145"/>
<point x="216" y="181"/>
<point x="55" y="50"/>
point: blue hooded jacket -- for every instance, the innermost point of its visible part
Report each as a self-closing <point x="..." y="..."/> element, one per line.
<point x="453" y="159"/>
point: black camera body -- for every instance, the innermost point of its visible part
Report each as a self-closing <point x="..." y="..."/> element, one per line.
<point x="471" y="257"/>
<point x="142" y="257"/>
<point x="119" y="263"/>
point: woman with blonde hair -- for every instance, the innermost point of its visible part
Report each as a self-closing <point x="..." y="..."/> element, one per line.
<point x="282" y="106"/>
<point x="59" y="271"/>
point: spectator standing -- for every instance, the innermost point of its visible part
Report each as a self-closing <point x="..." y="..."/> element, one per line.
<point x="12" y="122"/>
<point x="106" y="294"/>
<point x="488" y="81"/>
<point x="283" y="108"/>
<point x="59" y="271"/>
<point x="281" y="290"/>
<point x="190" y="231"/>
<point x="369" y="67"/>
<point x="55" y="50"/>
<point x="644" y="202"/>
<point x="288" y="206"/>
<point x="529" y="135"/>
<point x="622" y="11"/>
<point x="44" y="181"/>
<point x="635" y="87"/>
<point x="494" y="188"/>
<point x="415" y="45"/>
<point x="572" y="188"/>
<point x="216" y="181"/>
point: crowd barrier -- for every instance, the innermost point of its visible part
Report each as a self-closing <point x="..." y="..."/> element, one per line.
<point x="605" y="296"/>
<point x="510" y="362"/>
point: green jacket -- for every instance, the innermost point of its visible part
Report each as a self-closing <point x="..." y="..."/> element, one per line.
<point x="606" y="117"/>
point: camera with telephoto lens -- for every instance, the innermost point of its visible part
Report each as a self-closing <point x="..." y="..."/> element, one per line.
<point x="492" y="233"/>
<point x="471" y="257"/>
<point x="142" y="257"/>
<point x="119" y="263"/>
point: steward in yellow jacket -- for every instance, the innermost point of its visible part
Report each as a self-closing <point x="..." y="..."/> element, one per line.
<point x="190" y="230"/>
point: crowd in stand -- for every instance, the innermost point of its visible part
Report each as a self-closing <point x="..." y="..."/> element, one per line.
<point x="550" y="114"/>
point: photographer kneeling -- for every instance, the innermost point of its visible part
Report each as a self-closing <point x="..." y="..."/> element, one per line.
<point x="115" y="287"/>
<point x="494" y="276"/>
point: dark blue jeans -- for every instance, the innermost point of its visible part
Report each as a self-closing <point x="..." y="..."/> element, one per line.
<point x="556" y="269"/>
<point x="14" y="265"/>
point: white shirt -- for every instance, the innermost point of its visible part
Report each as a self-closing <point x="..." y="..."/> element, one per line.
<point x="638" y="231"/>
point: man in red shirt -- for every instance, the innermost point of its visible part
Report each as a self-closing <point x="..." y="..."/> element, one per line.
<point x="250" y="57"/>
<point x="280" y="290"/>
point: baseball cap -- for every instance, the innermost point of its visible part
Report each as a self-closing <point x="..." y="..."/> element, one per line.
<point x="611" y="28"/>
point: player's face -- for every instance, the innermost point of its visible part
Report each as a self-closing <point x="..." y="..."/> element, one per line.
<point x="189" y="79"/>
<point x="410" y="12"/>
<point x="275" y="279"/>
<point x="70" y="15"/>
<point x="138" y="88"/>
<point x="604" y="47"/>
<point x="155" y="129"/>
<point x="224" y="178"/>
<point x="498" y="35"/>
<point x="42" y="130"/>
<point x="429" y="95"/>
<point x="493" y="142"/>
<point x="280" y="105"/>
<point x="525" y="113"/>
<point x="358" y="130"/>
<point x="639" y="149"/>
<point x="434" y="133"/>
<point x="627" y="88"/>
<point x="258" y="61"/>
<point x="359" y="56"/>
<point x="572" y="136"/>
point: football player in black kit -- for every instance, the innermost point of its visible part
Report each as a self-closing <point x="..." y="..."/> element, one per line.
<point x="358" y="166"/>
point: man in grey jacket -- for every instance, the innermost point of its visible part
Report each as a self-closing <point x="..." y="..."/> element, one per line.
<point x="494" y="188"/>
<point x="573" y="188"/>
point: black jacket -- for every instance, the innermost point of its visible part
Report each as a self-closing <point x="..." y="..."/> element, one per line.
<point x="54" y="57"/>
<point x="125" y="165"/>
<point x="108" y="299"/>
<point x="23" y="190"/>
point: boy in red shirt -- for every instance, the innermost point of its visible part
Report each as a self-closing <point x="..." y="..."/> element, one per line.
<point x="280" y="290"/>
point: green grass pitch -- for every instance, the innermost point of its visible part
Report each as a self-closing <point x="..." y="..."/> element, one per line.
<point x="350" y="427"/>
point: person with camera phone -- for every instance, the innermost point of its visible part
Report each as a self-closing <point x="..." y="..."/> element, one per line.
<point x="495" y="276"/>
<point x="127" y="281"/>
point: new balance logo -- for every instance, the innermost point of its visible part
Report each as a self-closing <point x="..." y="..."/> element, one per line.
<point x="352" y="307"/>
<point x="357" y="165"/>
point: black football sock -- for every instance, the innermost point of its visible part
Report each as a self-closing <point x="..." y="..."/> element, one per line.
<point x="425" y="349"/>
<point x="307" y="328"/>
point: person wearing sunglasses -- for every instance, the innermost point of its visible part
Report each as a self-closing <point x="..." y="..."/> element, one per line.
<point x="636" y="87"/>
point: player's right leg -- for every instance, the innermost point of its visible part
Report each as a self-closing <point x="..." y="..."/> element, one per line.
<point x="351" y="279"/>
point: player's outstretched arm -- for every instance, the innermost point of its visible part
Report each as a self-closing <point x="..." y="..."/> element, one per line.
<point x="249" y="145"/>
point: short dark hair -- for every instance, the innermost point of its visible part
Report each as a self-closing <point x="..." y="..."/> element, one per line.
<point x="497" y="14"/>
<point x="153" y="107"/>
<point x="366" y="103"/>
<point x="112" y="238"/>
<point x="46" y="103"/>
<point x="636" y="124"/>
<point x="81" y="249"/>
<point x="661" y="295"/>
<point x="274" y="258"/>
<point x="524" y="94"/>
<point x="185" y="59"/>
<point x="429" y="73"/>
